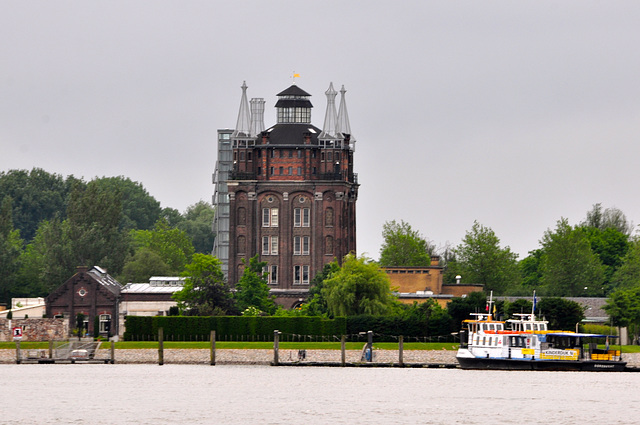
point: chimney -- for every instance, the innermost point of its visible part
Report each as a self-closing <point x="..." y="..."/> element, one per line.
<point x="435" y="260"/>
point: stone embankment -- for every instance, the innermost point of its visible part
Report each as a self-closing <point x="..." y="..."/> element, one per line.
<point x="265" y="357"/>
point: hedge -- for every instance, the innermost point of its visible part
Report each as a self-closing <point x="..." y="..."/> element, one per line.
<point x="230" y="328"/>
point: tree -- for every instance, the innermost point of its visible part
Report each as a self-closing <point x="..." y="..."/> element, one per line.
<point x="252" y="289"/>
<point x="530" y="269"/>
<point x="316" y="304"/>
<point x="460" y="308"/>
<point x="519" y="306"/>
<point x="172" y="245"/>
<point x="610" y="245"/>
<point x="144" y="264"/>
<point x="205" y="291"/>
<point x="10" y="250"/>
<point x="569" y="266"/>
<point x="197" y="224"/>
<point x="482" y="260"/>
<point x="628" y="274"/>
<point x="403" y="246"/>
<point x="611" y="218"/>
<point x="92" y="227"/>
<point x="561" y="313"/>
<point x="37" y="196"/>
<point x="139" y="209"/>
<point x="623" y="306"/>
<point x="359" y="287"/>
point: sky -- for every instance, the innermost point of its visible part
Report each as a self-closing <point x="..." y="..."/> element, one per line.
<point x="512" y="114"/>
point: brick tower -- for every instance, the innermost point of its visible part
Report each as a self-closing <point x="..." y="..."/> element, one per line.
<point x="291" y="191"/>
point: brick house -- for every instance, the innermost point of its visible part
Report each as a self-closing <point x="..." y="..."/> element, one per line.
<point x="93" y="293"/>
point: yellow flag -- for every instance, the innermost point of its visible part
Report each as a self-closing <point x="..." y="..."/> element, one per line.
<point x="296" y="75"/>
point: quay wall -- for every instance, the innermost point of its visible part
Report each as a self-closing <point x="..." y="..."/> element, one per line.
<point x="265" y="357"/>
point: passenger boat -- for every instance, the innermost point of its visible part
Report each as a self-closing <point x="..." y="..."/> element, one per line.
<point x="525" y="343"/>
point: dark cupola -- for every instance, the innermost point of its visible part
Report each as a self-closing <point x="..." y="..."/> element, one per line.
<point x="294" y="106"/>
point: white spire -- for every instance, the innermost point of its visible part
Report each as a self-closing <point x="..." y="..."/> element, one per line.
<point x="257" y="116"/>
<point x="243" y="126"/>
<point x="343" y="116"/>
<point x="330" y="118"/>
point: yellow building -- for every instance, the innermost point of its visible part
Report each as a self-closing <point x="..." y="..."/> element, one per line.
<point x="422" y="283"/>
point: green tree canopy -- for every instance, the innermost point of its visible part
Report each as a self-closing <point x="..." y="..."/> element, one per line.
<point x="628" y="274"/>
<point x="36" y="196"/>
<point x="561" y="313"/>
<point x="139" y="209"/>
<point x="172" y="245"/>
<point x="403" y="246"/>
<point x="144" y="264"/>
<point x="481" y="260"/>
<point x="568" y="264"/>
<point x="197" y="224"/>
<point x="460" y="308"/>
<point x="610" y="218"/>
<point x="10" y="250"/>
<point x="205" y="291"/>
<point x="359" y="287"/>
<point x="316" y="304"/>
<point x="252" y="289"/>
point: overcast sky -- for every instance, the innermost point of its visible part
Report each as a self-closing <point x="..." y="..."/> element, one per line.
<point x="511" y="113"/>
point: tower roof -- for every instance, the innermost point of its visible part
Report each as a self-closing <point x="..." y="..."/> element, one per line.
<point x="331" y="117"/>
<point x="343" y="116"/>
<point x="243" y="126"/>
<point x="293" y="90"/>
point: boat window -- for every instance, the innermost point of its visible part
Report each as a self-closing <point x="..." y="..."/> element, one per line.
<point x="499" y="326"/>
<point x="477" y="340"/>
<point x="528" y="327"/>
<point x="484" y="340"/>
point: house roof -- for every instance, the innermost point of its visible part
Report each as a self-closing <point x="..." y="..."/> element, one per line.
<point x="105" y="279"/>
<point x="292" y="134"/>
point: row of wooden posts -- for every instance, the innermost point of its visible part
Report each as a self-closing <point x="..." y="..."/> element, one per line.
<point x="276" y="348"/>
<point x="212" y="348"/>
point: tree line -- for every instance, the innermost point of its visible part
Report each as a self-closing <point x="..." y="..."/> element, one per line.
<point x="50" y="224"/>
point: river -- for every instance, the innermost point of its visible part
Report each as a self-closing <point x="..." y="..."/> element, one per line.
<point x="190" y="394"/>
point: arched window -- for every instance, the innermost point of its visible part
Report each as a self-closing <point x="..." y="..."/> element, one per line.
<point x="242" y="216"/>
<point x="242" y="244"/>
<point x="328" y="245"/>
<point x="328" y="217"/>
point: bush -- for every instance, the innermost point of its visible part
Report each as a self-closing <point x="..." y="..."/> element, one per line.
<point x="229" y="328"/>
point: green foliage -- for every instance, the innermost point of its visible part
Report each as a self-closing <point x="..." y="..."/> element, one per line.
<point x="460" y="308"/>
<point x="144" y="264"/>
<point x="230" y="328"/>
<point x="92" y="228"/>
<point x="404" y="246"/>
<point x="316" y="304"/>
<point x="481" y="260"/>
<point x="610" y="246"/>
<point x="623" y="306"/>
<point x="37" y="196"/>
<point x="205" y="291"/>
<point x="519" y="306"/>
<point x="611" y="218"/>
<point x="172" y="245"/>
<point x="561" y="313"/>
<point x="197" y="225"/>
<point x="10" y="250"/>
<point x="359" y="287"/>
<point x="530" y="270"/>
<point x="568" y="264"/>
<point x="628" y="274"/>
<point x="252" y="289"/>
<point x="139" y="209"/>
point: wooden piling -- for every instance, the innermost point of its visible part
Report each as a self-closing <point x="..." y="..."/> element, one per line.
<point x="113" y="352"/>
<point x="400" y="350"/>
<point x="160" y="346"/>
<point x="18" y="352"/>
<point x="343" y="354"/>
<point x="50" y="349"/>
<point x="276" y="347"/>
<point x="213" y="348"/>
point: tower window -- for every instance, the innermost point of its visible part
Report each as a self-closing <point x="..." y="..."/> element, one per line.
<point x="290" y="171"/>
<point x="281" y="170"/>
<point x="301" y="275"/>
<point x="301" y="217"/>
<point x="269" y="217"/>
